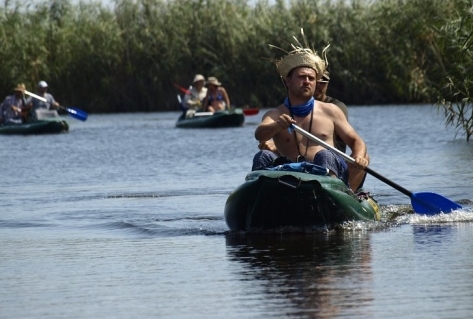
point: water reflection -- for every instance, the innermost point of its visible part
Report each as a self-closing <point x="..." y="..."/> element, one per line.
<point x="320" y="275"/>
<point x="430" y="234"/>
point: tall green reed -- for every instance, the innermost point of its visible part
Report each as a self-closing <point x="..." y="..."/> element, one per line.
<point x="128" y="57"/>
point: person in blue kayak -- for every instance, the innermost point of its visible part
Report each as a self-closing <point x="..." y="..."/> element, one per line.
<point x="300" y="70"/>
<point x="217" y="98"/>
<point x="196" y="94"/>
<point x="14" y="108"/>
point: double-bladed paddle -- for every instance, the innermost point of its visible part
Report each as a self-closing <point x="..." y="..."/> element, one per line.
<point x="185" y="91"/>
<point x="423" y="203"/>
<point x="76" y="113"/>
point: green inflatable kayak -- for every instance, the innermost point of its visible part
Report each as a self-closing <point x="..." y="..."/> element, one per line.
<point x="279" y="198"/>
<point x="226" y="118"/>
<point x="45" y="122"/>
<point x="37" y="127"/>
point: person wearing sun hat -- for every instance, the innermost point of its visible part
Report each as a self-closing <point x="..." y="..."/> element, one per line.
<point x="217" y="98"/>
<point x="14" y="108"/>
<point x="196" y="94"/>
<point x="300" y="70"/>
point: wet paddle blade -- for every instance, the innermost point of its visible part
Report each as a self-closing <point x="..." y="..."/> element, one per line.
<point x="76" y="113"/>
<point x="428" y="203"/>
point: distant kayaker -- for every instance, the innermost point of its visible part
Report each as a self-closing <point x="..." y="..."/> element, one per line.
<point x="14" y="108"/>
<point x="217" y="98"/>
<point x="300" y="70"/>
<point x="356" y="176"/>
<point x="50" y="103"/>
<point x="196" y="94"/>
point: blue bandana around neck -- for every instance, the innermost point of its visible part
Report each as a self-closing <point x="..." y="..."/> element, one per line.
<point x="302" y="109"/>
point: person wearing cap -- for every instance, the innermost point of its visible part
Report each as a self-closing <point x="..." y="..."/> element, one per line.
<point x="300" y="70"/>
<point x="14" y="108"/>
<point x="320" y="94"/>
<point x="356" y="176"/>
<point x="196" y="94"/>
<point x="50" y="101"/>
<point x="217" y="98"/>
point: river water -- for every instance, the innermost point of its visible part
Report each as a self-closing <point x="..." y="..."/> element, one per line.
<point x="122" y="217"/>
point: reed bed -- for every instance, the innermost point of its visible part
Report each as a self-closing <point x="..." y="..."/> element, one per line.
<point x="128" y="56"/>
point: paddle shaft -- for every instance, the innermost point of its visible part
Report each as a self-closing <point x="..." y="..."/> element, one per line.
<point x="76" y="113"/>
<point x="44" y="100"/>
<point x="351" y="160"/>
<point x="36" y="96"/>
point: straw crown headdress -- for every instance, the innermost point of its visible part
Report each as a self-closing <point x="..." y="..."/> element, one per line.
<point x="301" y="57"/>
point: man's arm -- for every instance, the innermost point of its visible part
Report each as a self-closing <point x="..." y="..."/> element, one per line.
<point x="226" y="98"/>
<point x="269" y="146"/>
<point x="54" y="104"/>
<point x="188" y="100"/>
<point x="273" y="122"/>
<point x="2" y="109"/>
<point x="347" y="133"/>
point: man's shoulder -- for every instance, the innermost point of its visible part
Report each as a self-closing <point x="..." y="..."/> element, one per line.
<point x="195" y="92"/>
<point x="338" y="103"/>
<point x="323" y="104"/>
<point x="280" y="109"/>
<point x="332" y="100"/>
<point x="8" y="98"/>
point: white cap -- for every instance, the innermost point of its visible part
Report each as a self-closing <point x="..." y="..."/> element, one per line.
<point x="42" y="84"/>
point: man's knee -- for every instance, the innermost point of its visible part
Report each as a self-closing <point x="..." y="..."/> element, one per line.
<point x="334" y="163"/>
<point x="263" y="159"/>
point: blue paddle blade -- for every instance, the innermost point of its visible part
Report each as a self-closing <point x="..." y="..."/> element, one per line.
<point x="76" y="113"/>
<point x="428" y="203"/>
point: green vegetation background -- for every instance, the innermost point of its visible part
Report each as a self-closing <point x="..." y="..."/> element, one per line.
<point x="127" y="57"/>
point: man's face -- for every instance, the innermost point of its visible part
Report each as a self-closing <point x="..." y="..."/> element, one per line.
<point x="199" y="85"/>
<point x="42" y="89"/>
<point x="320" y="92"/>
<point x="302" y="82"/>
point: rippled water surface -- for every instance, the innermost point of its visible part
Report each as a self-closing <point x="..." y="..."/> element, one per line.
<point x="123" y="218"/>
